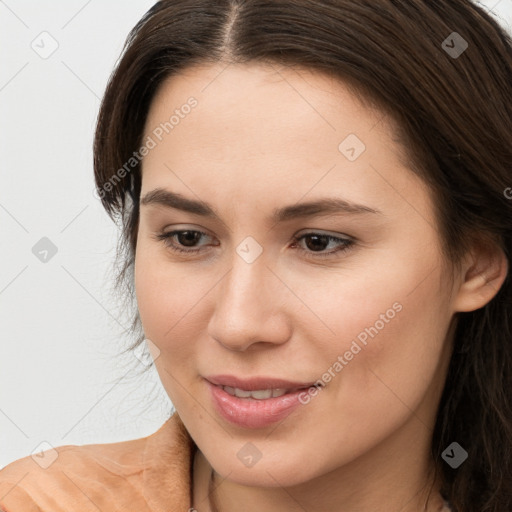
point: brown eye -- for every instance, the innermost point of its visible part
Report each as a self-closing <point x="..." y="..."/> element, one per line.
<point x="316" y="243"/>
<point x="188" y="238"/>
<point x="179" y="240"/>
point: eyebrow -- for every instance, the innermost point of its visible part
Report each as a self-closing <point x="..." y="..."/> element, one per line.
<point x="323" y="206"/>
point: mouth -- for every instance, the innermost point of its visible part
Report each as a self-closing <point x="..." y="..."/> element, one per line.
<point x="256" y="402"/>
<point x="256" y="384"/>
<point x="259" y="394"/>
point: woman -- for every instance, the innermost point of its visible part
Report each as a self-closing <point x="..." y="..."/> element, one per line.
<point x="315" y="208"/>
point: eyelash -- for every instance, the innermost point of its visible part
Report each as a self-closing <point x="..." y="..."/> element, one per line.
<point x="346" y="243"/>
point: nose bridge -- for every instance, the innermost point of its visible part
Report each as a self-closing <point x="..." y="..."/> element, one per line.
<point x="247" y="282"/>
<point x="248" y="303"/>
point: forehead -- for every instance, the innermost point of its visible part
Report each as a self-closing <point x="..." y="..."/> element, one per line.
<point x="263" y="129"/>
<point x="234" y="95"/>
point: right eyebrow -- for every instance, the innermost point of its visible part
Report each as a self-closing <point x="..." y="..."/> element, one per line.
<point x="169" y="199"/>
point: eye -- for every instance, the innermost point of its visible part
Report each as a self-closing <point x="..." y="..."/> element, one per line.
<point x="185" y="238"/>
<point x="316" y="243"/>
<point x="184" y="241"/>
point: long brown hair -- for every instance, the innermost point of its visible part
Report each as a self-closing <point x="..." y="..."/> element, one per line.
<point x="442" y="69"/>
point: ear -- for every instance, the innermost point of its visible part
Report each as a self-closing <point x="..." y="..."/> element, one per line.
<point x="483" y="272"/>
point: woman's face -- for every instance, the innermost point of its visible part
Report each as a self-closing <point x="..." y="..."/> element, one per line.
<point x="264" y="292"/>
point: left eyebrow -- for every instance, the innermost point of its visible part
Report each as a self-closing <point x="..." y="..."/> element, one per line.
<point x="323" y="206"/>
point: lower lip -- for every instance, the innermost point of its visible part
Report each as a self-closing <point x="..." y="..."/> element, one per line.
<point x="252" y="413"/>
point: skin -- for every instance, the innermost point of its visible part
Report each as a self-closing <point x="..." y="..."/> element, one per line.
<point x="263" y="137"/>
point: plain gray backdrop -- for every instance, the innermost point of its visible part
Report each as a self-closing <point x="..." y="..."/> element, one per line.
<point x="62" y="380"/>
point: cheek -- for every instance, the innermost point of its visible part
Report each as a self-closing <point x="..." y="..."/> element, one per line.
<point x="388" y="345"/>
<point x="383" y="310"/>
<point x="170" y="300"/>
<point x="152" y="299"/>
<point x="167" y="299"/>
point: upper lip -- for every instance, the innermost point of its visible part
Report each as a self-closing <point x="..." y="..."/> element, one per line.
<point x="256" y="383"/>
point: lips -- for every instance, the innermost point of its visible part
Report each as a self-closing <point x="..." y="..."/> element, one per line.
<point x="257" y="383"/>
<point x="263" y="400"/>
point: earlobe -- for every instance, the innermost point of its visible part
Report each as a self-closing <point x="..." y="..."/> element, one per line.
<point x="482" y="276"/>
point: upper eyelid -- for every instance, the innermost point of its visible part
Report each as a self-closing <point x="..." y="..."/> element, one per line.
<point x="309" y="231"/>
<point x="296" y="238"/>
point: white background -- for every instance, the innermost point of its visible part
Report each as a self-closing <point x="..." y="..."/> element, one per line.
<point x="62" y="378"/>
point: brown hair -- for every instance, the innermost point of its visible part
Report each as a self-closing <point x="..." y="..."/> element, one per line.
<point x="454" y="114"/>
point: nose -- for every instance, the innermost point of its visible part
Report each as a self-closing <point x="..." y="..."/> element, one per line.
<point x="252" y="307"/>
